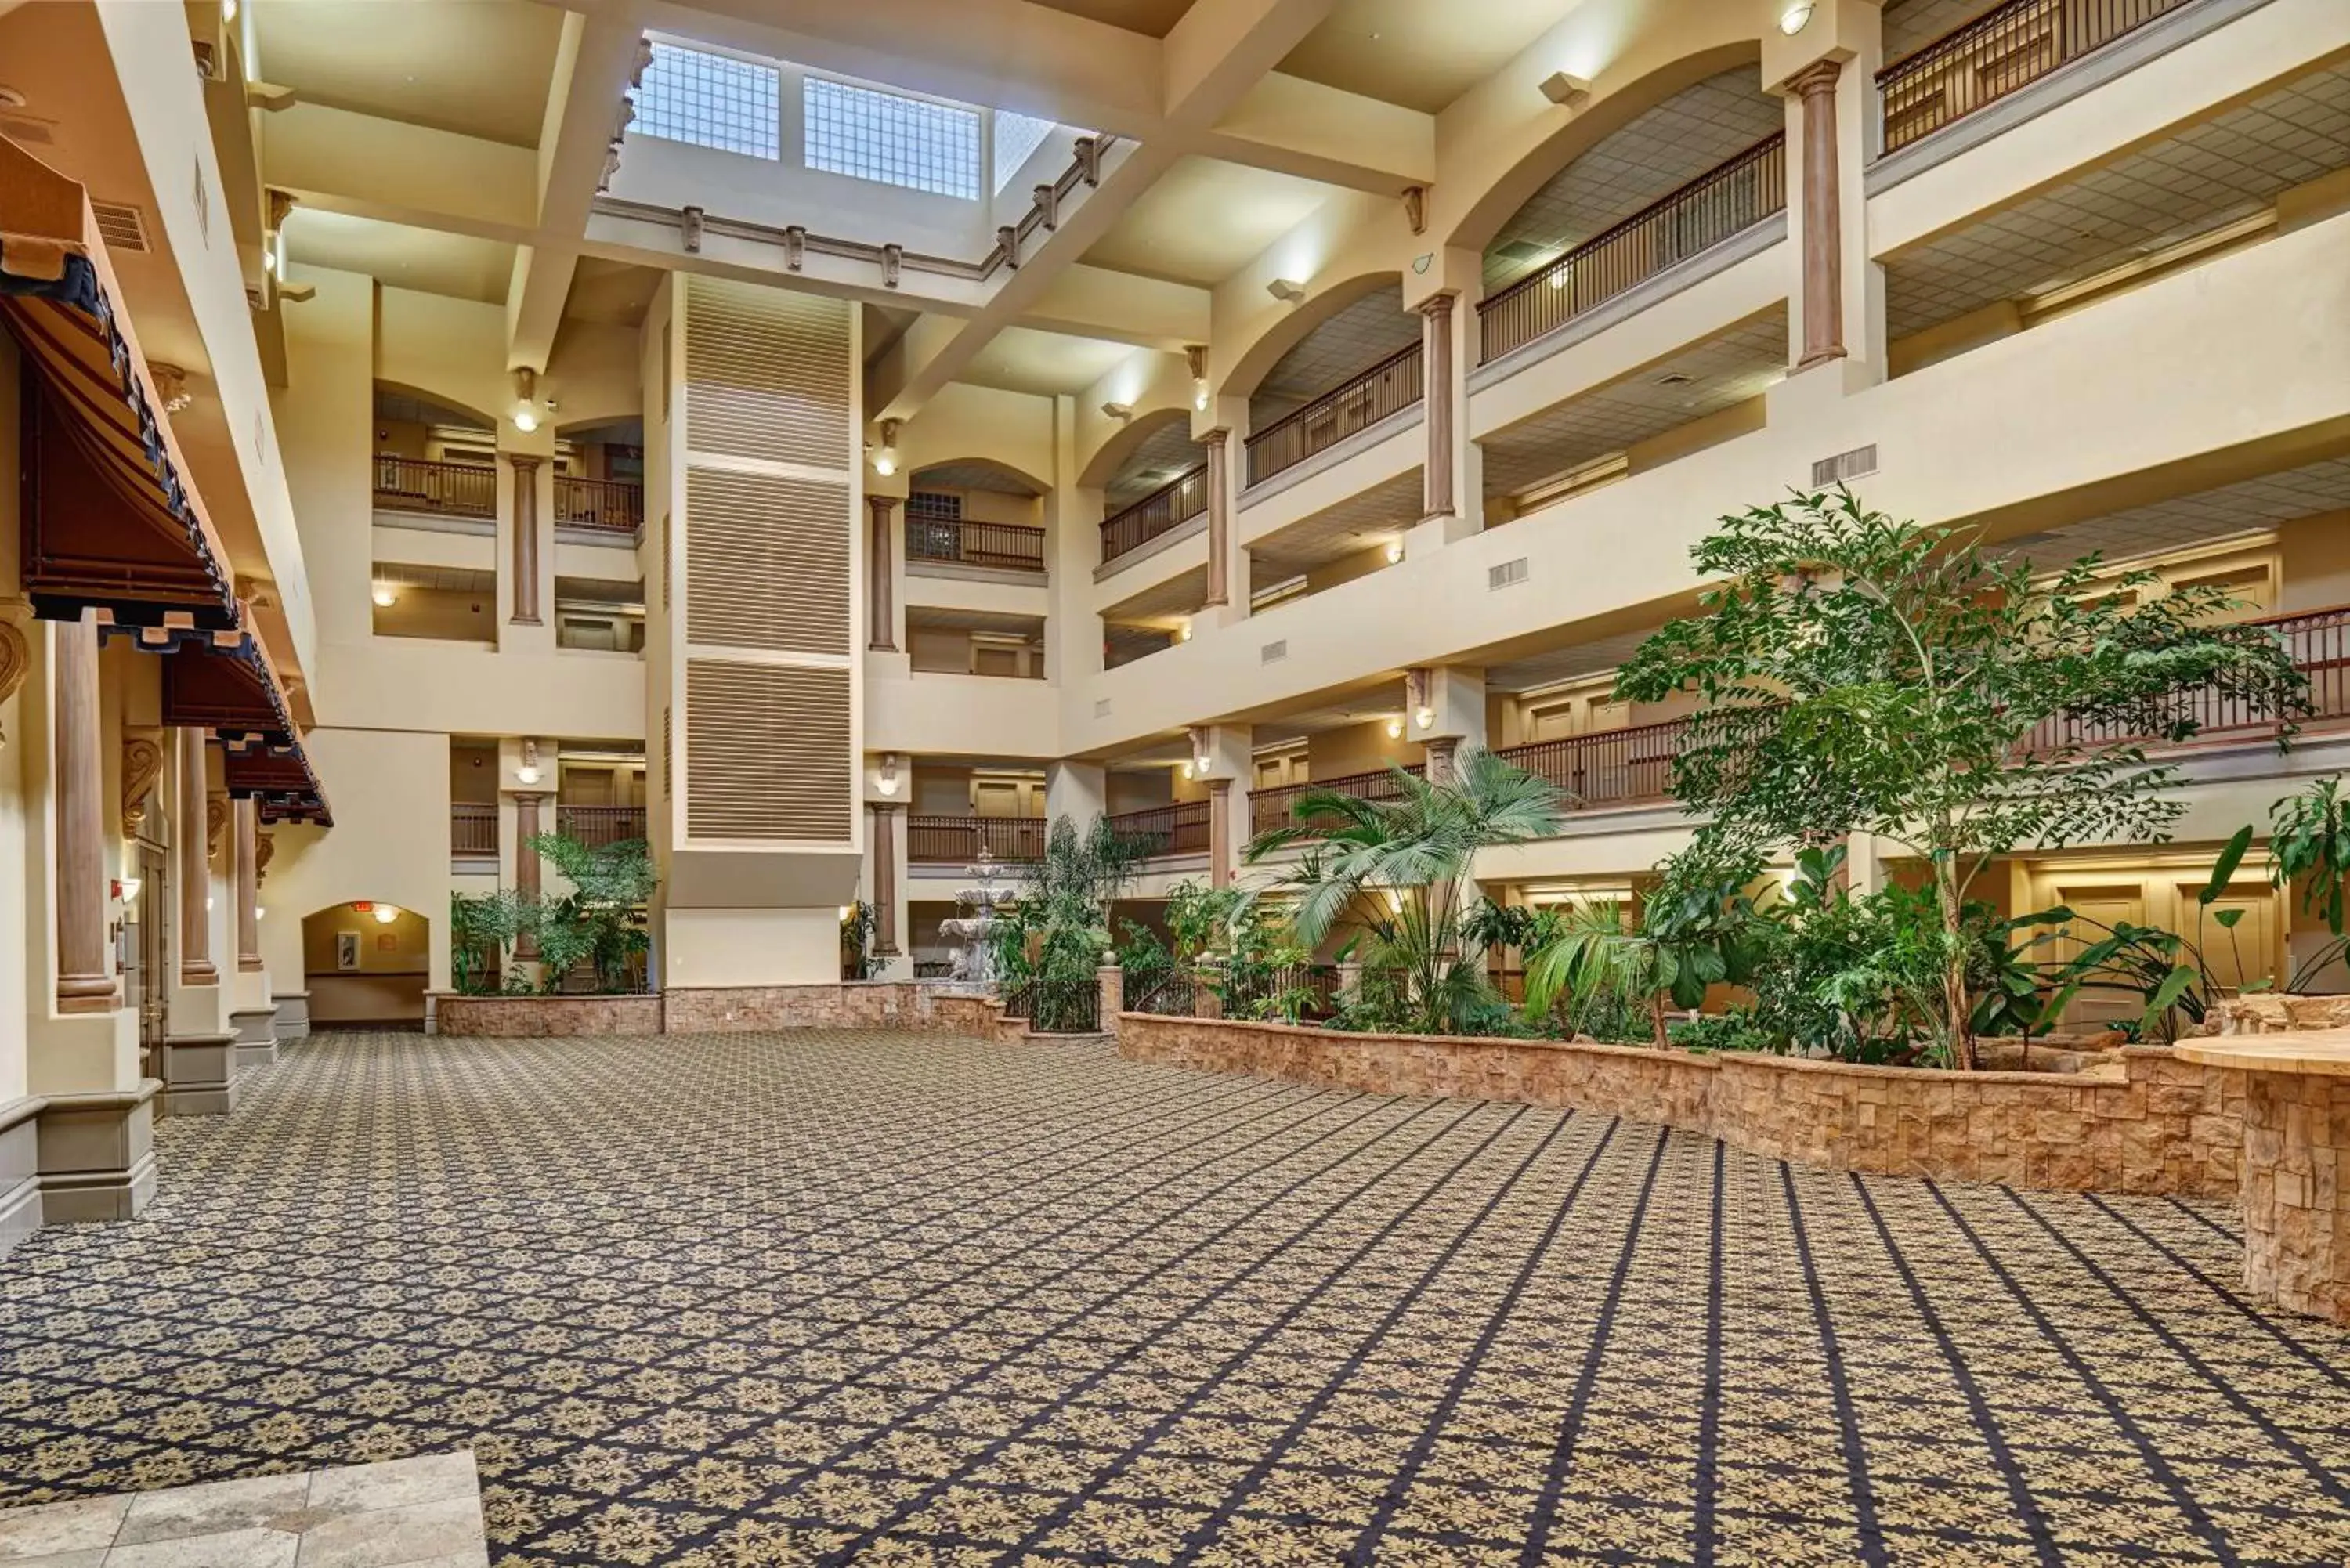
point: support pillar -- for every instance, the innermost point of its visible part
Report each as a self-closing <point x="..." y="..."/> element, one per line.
<point x="526" y="869"/>
<point x="1823" y="298"/>
<point x="880" y="575"/>
<point x="1112" y="983"/>
<point x="1436" y="356"/>
<point x="85" y="974"/>
<point x="196" y="932"/>
<point x="525" y="539"/>
<point x="254" y="1020"/>
<point x="885" y="880"/>
<point x="1442" y="752"/>
<point x="1220" y="832"/>
<point x="1219" y="518"/>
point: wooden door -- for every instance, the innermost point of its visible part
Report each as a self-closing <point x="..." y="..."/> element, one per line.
<point x="2250" y="952"/>
<point x="997" y="798"/>
<point x="2107" y="904"/>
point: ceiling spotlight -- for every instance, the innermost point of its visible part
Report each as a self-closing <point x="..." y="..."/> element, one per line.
<point x="1286" y="290"/>
<point x="1792" y="20"/>
<point x="384" y="596"/>
<point x="526" y="409"/>
<point x="1122" y="412"/>
<point x="885" y="456"/>
<point x="1566" y="91"/>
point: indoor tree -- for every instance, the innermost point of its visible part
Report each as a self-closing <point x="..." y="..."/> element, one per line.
<point x="1864" y="674"/>
<point x="1053" y="935"/>
<point x="1399" y="870"/>
<point x="601" y="921"/>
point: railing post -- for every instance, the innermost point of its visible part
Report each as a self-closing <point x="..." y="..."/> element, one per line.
<point x="1112" y="982"/>
<point x="1206" y="1001"/>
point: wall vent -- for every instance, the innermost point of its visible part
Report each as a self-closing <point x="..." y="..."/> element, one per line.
<point x="1274" y="652"/>
<point x="766" y="560"/>
<point x="767" y="753"/>
<point x="764" y="374"/>
<point x="17" y="128"/>
<point x="121" y="226"/>
<point x="1101" y="707"/>
<point x="1844" y="465"/>
<point x="1508" y="575"/>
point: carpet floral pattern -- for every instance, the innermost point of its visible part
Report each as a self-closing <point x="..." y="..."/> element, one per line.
<point x="756" y="1300"/>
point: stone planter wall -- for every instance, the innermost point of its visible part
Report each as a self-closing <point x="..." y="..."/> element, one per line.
<point x="539" y="1017"/>
<point x="2273" y="1014"/>
<point x="838" y="1004"/>
<point x="2146" y="1122"/>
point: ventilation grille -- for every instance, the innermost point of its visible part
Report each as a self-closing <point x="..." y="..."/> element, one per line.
<point x="766" y="562"/>
<point x="767" y="374"/>
<point x="1508" y="575"/>
<point x="1274" y="652"/>
<point x="123" y="228"/>
<point x="1101" y="707"/>
<point x="667" y="757"/>
<point x="669" y="567"/>
<point x="767" y="753"/>
<point x="1844" y="465"/>
<point x="24" y="132"/>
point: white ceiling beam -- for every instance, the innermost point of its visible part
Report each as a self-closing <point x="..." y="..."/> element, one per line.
<point x="1292" y="126"/>
<point x="335" y="161"/>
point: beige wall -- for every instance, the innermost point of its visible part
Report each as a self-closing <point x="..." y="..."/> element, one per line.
<point x="2316" y="553"/>
<point x="1358" y="749"/>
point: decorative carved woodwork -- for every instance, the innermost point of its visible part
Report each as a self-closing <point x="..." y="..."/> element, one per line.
<point x="216" y="821"/>
<point x="16" y="663"/>
<point x="142" y="765"/>
<point x="264" y="849"/>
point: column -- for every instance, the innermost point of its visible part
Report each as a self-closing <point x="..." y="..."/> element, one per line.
<point x="526" y="868"/>
<point x="85" y="974"/>
<point x="249" y="886"/>
<point x="1220" y="519"/>
<point x="1440" y="753"/>
<point x="1219" y="833"/>
<point x="1436" y="355"/>
<point x="525" y="539"/>
<point x="1823" y="217"/>
<point x="880" y="575"/>
<point x="885" y="880"/>
<point x="196" y="869"/>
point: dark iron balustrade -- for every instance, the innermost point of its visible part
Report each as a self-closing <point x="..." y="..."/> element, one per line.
<point x="610" y="506"/>
<point x="1362" y="400"/>
<point x="1171" y="504"/>
<point x="1178" y="829"/>
<point x="443" y="489"/>
<point x="474" y="830"/>
<point x="2006" y="48"/>
<point x="1011" y="546"/>
<point x="934" y="840"/>
<point x="1277" y="807"/>
<point x="597" y="826"/>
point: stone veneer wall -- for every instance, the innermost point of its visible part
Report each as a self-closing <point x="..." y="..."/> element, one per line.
<point x="2151" y="1123"/>
<point x="2297" y="1194"/>
<point x="844" y="1004"/>
<point x="538" y="1017"/>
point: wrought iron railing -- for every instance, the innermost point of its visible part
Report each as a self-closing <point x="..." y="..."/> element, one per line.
<point x="1271" y="809"/>
<point x="1607" y="767"/>
<point x="1056" y="1006"/>
<point x="2006" y="48"/>
<point x="612" y="505"/>
<point x="1178" y="829"/>
<point x="474" y="830"/>
<point x="597" y="826"/>
<point x="2319" y="643"/>
<point x="1390" y="387"/>
<point x="957" y="840"/>
<point x="444" y="489"/>
<point x="1177" y="502"/>
<point x="1724" y="200"/>
<point x="1013" y="546"/>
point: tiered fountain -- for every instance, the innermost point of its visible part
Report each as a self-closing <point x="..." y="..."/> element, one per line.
<point x="973" y="958"/>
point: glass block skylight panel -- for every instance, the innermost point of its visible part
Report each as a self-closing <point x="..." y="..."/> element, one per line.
<point x="710" y="101"/>
<point x="1016" y="137"/>
<point x="892" y="140"/>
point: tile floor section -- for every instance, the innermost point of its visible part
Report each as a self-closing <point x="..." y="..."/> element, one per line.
<point x="833" y="1297"/>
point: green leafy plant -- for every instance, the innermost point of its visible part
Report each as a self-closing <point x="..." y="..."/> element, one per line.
<point x="1053" y="935"/>
<point x="1866" y="674"/>
<point x="601" y="921"/>
<point x="2309" y="845"/>
<point x="1698" y="929"/>
<point x="480" y="925"/>
<point x="858" y="926"/>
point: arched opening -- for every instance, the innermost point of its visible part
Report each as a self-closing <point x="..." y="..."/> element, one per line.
<point x="1153" y="478"/>
<point x="1345" y="369"/>
<point x="974" y="511"/>
<point x="366" y="964"/>
<point x="433" y="456"/>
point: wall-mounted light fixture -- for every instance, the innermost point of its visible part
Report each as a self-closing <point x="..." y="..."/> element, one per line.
<point x="526" y="407"/>
<point x="383" y="596"/>
<point x="1395" y="729"/>
<point x="386" y="913"/>
<point x="1566" y="91"/>
<point x="1183" y="631"/>
<point x="130" y="886"/>
<point x="1395" y="551"/>
<point x="885" y="456"/>
<point x="1286" y="290"/>
<point x="528" y="773"/>
<point x="1188" y="766"/>
<point x="1122" y="412"/>
<point x="1196" y="357"/>
<point x="886" y="781"/>
<point x="1791" y="19"/>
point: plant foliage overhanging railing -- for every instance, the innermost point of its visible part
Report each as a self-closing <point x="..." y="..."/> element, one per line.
<point x="1355" y="405"/>
<point x="1173" y="503"/>
<point x="935" y="840"/>
<point x="1178" y="829"/>
<point x="1725" y="199"/>
<point x="2007" y="47"/>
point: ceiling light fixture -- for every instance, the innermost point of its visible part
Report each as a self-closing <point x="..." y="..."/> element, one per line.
<point x="386" y="913"/>
<point x="886" y="781"/>
<point x="526" y="409"/>
<point x="1569" y="92"/>
<point x="885" y="456"/>
<point x="1122" y="412"/>
<point x="1792" y="20"/>
<point x="528" y="773"/>
<point x="228" y="10"/>
<point x="1286" y="290"/>
<point x="384" y="596"/>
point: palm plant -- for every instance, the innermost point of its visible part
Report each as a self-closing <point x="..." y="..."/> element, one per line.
<point x="601" y="921"/>
<point x="1400" y="869"/>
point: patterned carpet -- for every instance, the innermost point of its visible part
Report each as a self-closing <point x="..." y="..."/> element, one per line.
<point x="834" y="1297"/>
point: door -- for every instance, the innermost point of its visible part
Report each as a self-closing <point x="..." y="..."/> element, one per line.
<point x="2247" y="952"/>
<point x="147" y="977"/>
<point x="2107" y="904"/>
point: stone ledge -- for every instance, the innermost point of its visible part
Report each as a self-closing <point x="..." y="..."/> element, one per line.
<point x="539" y="1017"/>
<point x="2163" y="1126"/>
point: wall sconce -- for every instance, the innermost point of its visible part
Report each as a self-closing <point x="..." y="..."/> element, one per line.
<point x="1394" y="551"/>
<point x="383" y="596"/>
<point x="1792" y="20"/>
<point x="126" y="890"/>
<point x="259" y="913"/>
<point x="1189" y="768"/>
<point x="1122" y="412"/>
<point x="843" y="913"/>
<point x="1425" y="717"/>
<point x="1567" y="92"/>
<point x="1286" y="290"/>
<point x="1196" y="357"/>
<point x="1184" y="632"/>
<point x="885" y="456"/>
<point x="1395" y="729"/>
<point x="886" y="781"/>
<point x="526" y="409"/>
<point x="528" y="773"/>
<point x="386" y="913"/>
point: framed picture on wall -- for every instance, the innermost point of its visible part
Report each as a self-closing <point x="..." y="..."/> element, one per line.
<point x="346" y="950"/>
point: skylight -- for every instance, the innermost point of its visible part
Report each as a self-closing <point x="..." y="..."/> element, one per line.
<point x="1017" y="136"/>
<point x="710" y="101"/>
<point x="894" y="140"/>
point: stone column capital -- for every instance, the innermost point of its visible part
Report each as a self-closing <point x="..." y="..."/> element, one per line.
<point x="1439" y="306"/>
<point x="881" y="505"/>
<point x="1818" y="77"/>
<point x="523" y="462"/>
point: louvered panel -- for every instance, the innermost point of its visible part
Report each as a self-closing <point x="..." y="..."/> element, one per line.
<point x="766" y="374"/>
<point x="767" y="751"/>
<point x="766" y="562"/>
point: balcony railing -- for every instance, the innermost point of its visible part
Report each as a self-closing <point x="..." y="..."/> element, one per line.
<point x="597" y="826"/>
<point x="1178" y="829"/>
<point x="1390" y="387"/>
<point x="474" y="830"/>
<point x="1722" y="202"/>
<point x="2319" y="642"/>
<point x="1177" y="502"/>
<point x="2005" y="48"/>
<point x="1271" y="809"/>
<point x="1012" y="547"/>
<point x="444" y="489"/>
<point x="608" y="505"/>
<point x="957" y="840"/>
<point x="1607" y="767"/>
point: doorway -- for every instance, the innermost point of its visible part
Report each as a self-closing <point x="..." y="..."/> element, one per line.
<point x="147" y="955"/>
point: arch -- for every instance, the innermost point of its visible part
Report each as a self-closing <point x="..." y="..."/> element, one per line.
<point x="993" y="465"/>
<point x="366" y="962"/>
<point x="1105" y="465"/>
<point x="1576" y="134"/>
<point x="439" y="400"/>
<point x="1291" y="328"/>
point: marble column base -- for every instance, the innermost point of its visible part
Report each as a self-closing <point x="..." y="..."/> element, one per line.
<point x="293" y="1015"/>
<point x="2296" y="1178"/>
<point x="199" y="1075"/>
<point x="20" y="1172"/>
<point x="256" y="1036"/>
<point x="97" y="1154"/>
